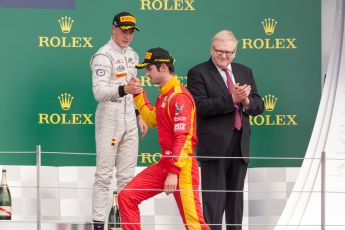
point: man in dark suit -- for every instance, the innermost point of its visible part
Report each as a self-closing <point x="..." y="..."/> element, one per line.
<point x="225" y="94"/>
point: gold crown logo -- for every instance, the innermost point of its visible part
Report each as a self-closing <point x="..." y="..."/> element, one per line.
<point x="269" y="25"/>
<point x="66" y="24"/>
<point x="270" y="102"/>
<point x="65" y="100"/>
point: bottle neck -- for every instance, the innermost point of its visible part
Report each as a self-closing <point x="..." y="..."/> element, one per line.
<point x="4" y="179"/>
<point x="115" y="200"/>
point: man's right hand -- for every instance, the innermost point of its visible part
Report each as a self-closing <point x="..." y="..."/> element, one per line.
<point x="240" y="93"/>
<point x="133" y="86"/>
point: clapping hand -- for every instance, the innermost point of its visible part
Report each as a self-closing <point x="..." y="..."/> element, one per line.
<point x="240" y="93"/>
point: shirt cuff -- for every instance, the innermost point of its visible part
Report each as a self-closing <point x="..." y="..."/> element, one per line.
<point x="174" y="169"/>
<point x="122" y="91"/>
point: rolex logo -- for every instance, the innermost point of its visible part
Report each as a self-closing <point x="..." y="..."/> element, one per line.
<point x="270" y="102"/>
<point x="167" y="5"/>
<point x="65" y="118"/>
<point x="65" y="100"/>
<point x="273" y="119"/>
<point x="269" y="25"/>
<point x="64" y="41"/>
<point x="66" y="24"/>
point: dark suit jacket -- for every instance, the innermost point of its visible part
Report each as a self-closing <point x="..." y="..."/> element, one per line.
<point x="215" y="109"/>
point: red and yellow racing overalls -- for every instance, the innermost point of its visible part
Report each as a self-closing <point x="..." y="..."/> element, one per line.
<point x="174" y="116"/>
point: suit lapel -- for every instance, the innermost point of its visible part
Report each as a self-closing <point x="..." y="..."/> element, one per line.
<point x="217" y="77"/>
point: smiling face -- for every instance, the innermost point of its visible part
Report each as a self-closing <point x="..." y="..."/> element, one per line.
<point x="223" y="52"/>
<point x="123" y="38"/>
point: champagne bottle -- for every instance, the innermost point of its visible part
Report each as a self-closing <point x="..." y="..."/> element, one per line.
<point x="5" y="198"/>
<point x="114" y="222"/>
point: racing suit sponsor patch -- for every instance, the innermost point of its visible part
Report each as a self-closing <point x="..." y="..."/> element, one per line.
<point x="179" y="108"/>
<point x="100" y="72"/>
<point x="120" y="68"/>
<point x="168" y="152"/>
<point x="179" y="127"/>
<point x="119" y="61"/>
<point x="131" y="61"/>
<point x="177" y="119"/>
<point x="121" y="75"/>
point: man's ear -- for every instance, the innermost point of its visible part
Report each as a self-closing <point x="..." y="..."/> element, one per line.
<point x="113" y="29"/>
<point x="163" y="67"/>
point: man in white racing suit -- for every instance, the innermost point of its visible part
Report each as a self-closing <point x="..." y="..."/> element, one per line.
<point x="116" y="130"/>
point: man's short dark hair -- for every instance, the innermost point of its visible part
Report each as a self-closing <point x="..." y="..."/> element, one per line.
<point x="169" y="65"/>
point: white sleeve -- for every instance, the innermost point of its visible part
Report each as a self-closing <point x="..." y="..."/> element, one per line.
<point x="101" y="66"/>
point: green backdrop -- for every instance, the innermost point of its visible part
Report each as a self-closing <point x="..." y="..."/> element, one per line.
<point x="39" y="63"/>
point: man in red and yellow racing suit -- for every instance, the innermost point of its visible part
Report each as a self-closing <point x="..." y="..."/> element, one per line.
<point x="177" y="172"/>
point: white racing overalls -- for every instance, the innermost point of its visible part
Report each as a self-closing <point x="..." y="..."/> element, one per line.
<point x="115" y="122"/>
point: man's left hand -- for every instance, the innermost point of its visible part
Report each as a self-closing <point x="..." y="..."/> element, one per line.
<point x="241" y="93"/>
<point x="142" y="127"/>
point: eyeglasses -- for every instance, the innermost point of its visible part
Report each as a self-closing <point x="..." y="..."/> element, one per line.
<point x="221" y="52"/>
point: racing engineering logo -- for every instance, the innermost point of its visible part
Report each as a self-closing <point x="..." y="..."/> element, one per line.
<point x="269" y="26"/>
<point x="65" y="24"/>
<point x="65" y="101"/>
<point x="270" y="102"/>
